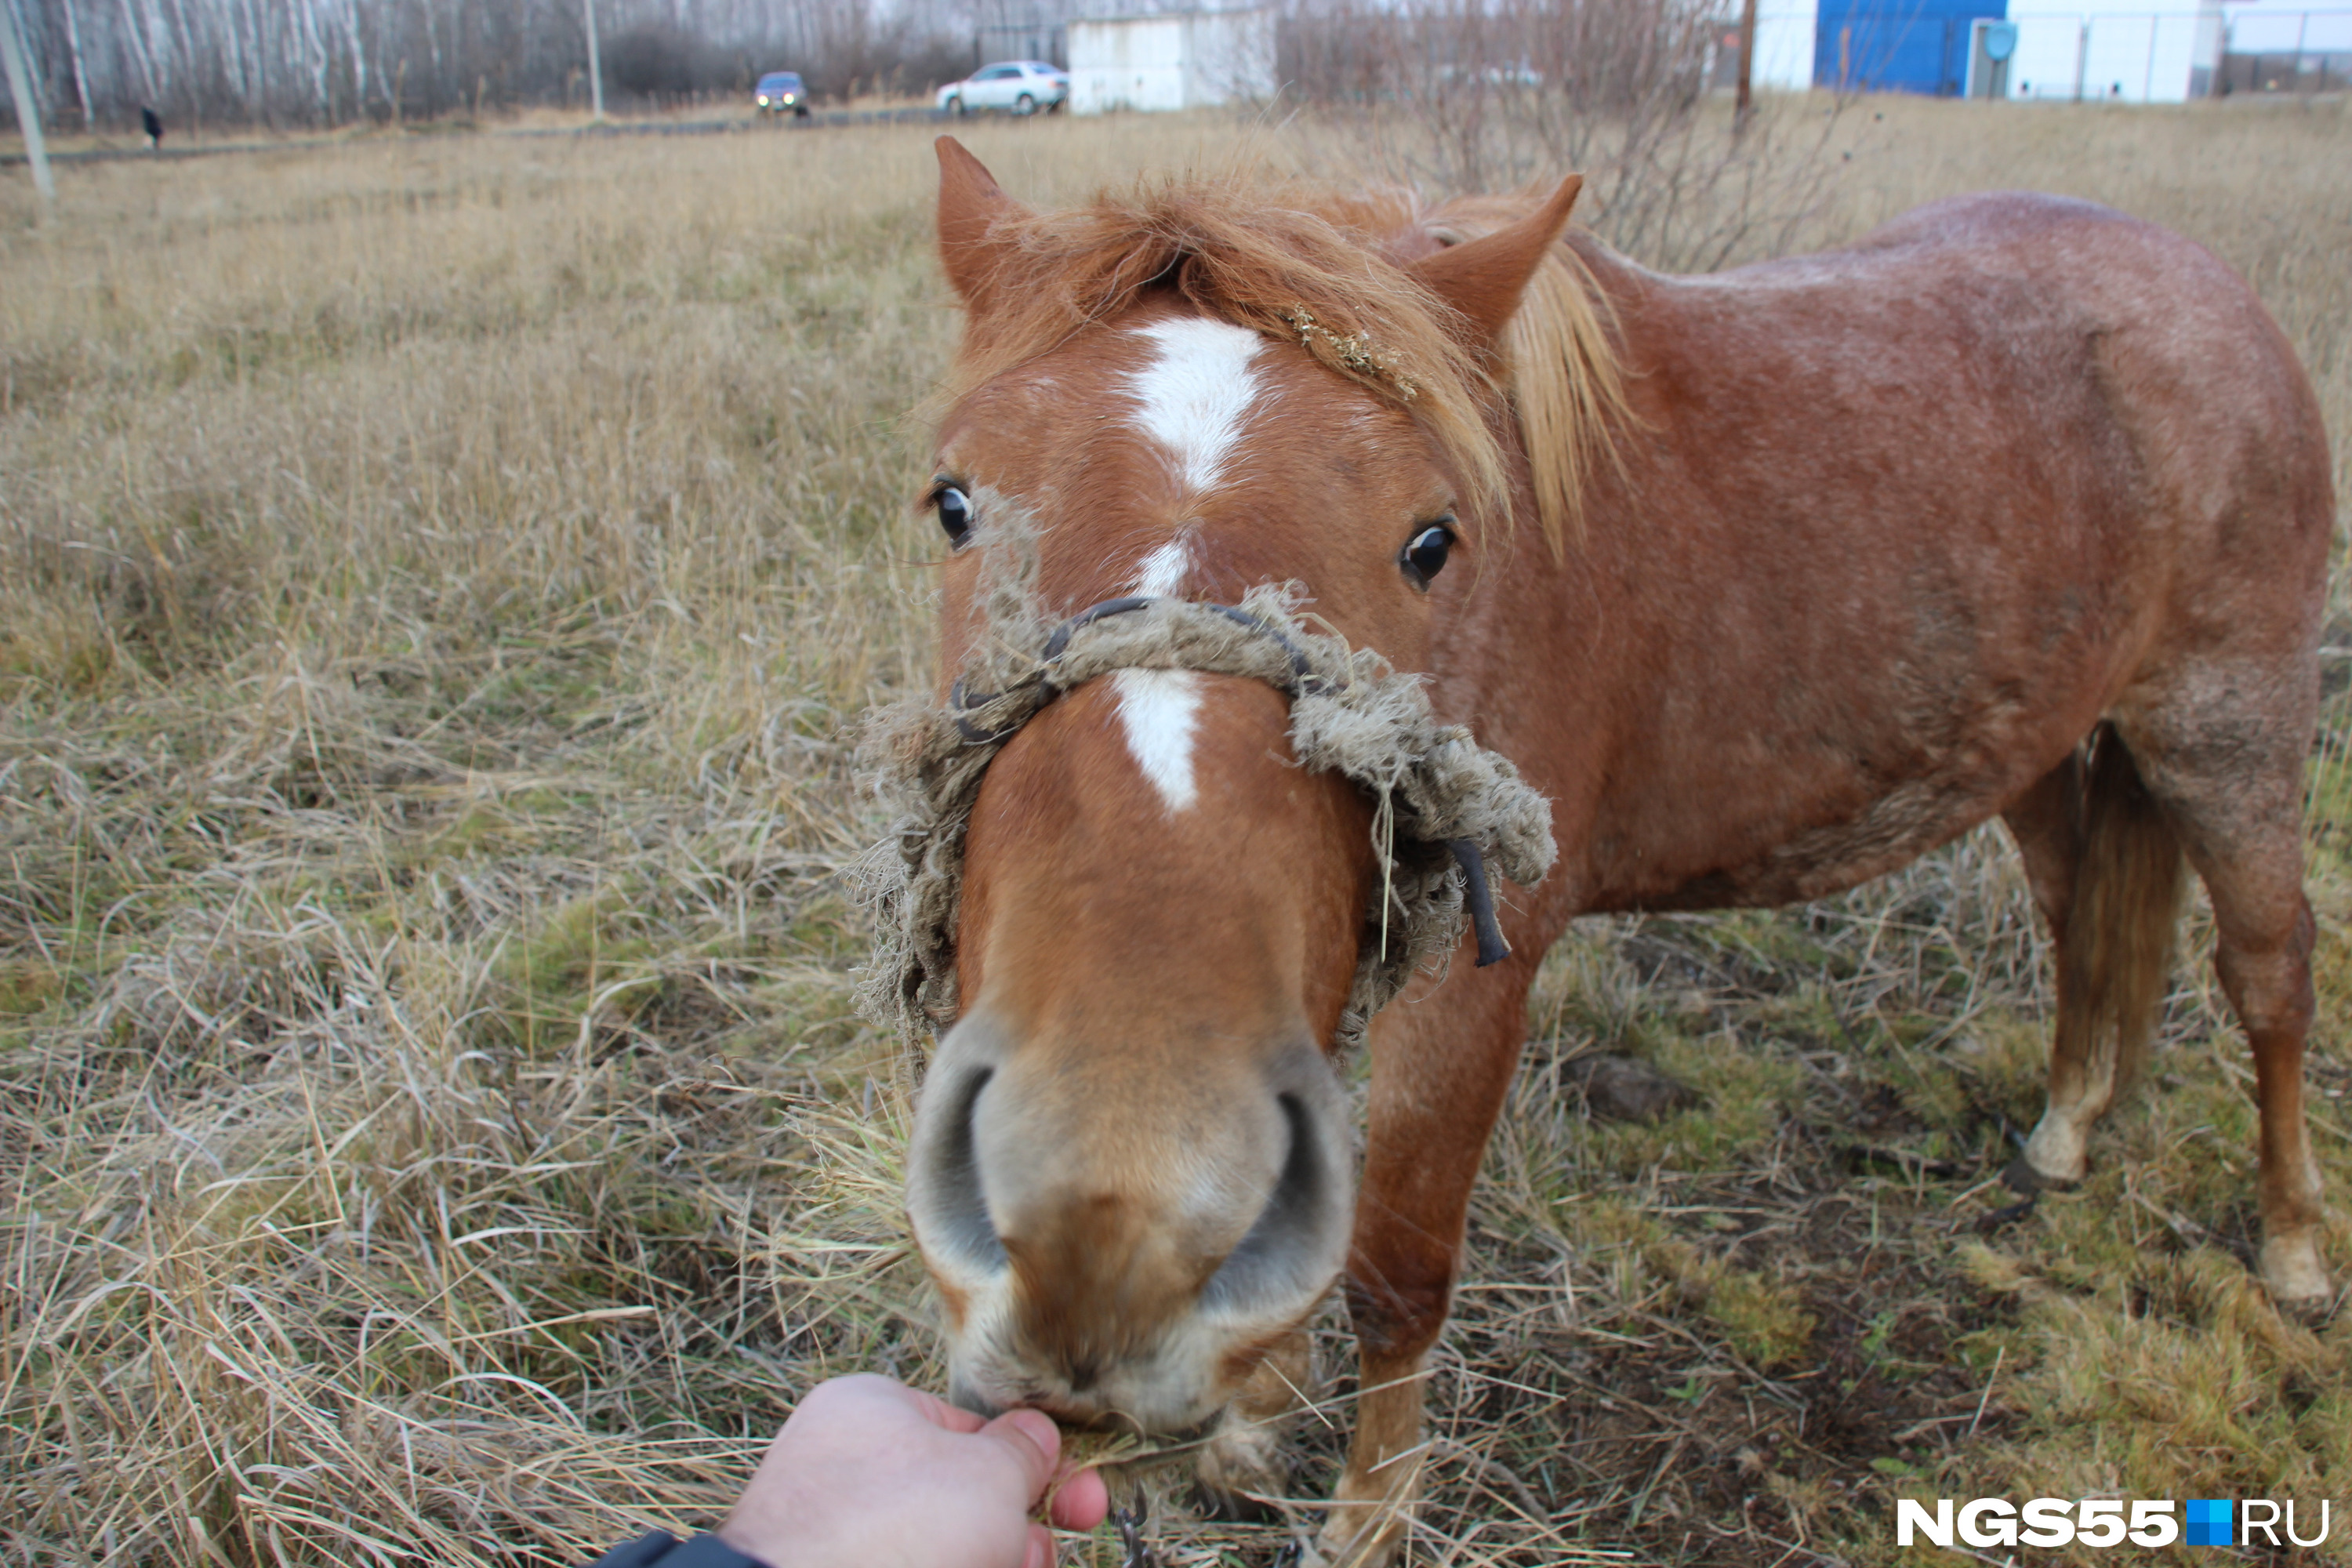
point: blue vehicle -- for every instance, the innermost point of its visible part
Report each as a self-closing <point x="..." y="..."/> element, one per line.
<point x="782" y="93"/>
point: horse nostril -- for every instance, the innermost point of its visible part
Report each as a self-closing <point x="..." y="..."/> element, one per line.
<point x="954" y="1210"/>
<point x="1270" y="1259"/>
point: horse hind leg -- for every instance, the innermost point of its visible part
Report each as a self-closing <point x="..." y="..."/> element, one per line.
<point x="2231" y="776"/>
<point x="2265" y="968"/>
<point x="2104" y="865"/>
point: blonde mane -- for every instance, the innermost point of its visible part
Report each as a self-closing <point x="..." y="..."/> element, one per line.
<point x="1567" y="382"/>
<point x="1316" y="269"/>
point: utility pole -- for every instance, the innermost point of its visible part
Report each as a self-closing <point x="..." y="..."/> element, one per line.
<point x="1744" y="99"/>
<point x="28" y="106"/>
<point x="595" y="64"/>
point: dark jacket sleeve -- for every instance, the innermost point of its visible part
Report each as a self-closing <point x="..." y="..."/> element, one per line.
<point x="663" y="1550"/>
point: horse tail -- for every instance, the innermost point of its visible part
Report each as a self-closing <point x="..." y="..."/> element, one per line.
<point x="2127" y="905"/>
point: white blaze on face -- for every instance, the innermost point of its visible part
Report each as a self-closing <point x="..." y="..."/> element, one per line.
<point x="1195" y="395"/>
<point x="1158" y="708"/>
<point x="1192" y="399"/>
<point x="1165" y="569"/>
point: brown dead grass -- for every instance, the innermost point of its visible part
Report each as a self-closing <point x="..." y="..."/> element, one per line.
<point x="437" y="578"/>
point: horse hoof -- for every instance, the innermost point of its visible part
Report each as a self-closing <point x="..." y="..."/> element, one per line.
<point x="1232" y="1507"/>
<point x="2056" y="1155"/>
<point x="2296" y="1277"/>
<point x="2023" y="1179"/>
<point x="1339" y="1547"/>
<point x="1243" y="1458"/>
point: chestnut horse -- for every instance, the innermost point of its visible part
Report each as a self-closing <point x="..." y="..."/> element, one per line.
<point x="1770" y="581"/>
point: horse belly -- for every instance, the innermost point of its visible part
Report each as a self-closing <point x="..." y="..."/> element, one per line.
<point x="1824" y="856"/>
<point x="1787" y="762"/>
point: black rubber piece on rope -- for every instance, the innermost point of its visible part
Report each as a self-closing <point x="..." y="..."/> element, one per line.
<point x="961" y="702"/>
<point x="1303" y="682"/>
<point x="1480" y="898"/>
<point x="1060" y="640"/>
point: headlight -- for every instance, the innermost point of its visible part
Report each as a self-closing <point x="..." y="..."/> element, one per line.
<point x="763" y="101"/>
<point x="788" y="98"/>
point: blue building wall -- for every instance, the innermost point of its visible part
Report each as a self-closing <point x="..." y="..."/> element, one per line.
<point x="1902" y="45"/>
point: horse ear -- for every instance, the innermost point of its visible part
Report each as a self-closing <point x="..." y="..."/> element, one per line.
<point x="970" y="203"/>
<point x="1483" y="278"/>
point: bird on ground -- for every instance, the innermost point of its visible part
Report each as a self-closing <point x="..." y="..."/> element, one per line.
<point x="153" y="122"/>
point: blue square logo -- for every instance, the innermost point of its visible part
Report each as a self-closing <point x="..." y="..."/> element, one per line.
<point x="2208" y="1522"/>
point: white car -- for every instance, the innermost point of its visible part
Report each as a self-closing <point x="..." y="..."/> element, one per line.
<point x="1024" y="87"/>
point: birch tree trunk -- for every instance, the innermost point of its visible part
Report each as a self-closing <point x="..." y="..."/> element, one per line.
<point x="358" y="57"/>
<point x="28" y="98"/>
<point x="595" y="65"/>
<point x="73" y="55"/>
<point x="184" y="49"/>
<point x="314" y="57"/>
<point x="134" y="30"/>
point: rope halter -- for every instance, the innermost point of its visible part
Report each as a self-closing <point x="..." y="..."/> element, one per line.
<point x="1443" y="805"/>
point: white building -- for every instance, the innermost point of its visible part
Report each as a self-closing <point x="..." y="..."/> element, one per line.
<point x="2114" y="51"/>
<point x="1184" y="60"/>
<point x="2093" y="52"/>
<point x="1784" y="43"/>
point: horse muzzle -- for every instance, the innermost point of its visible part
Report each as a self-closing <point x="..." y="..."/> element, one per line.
<point x="1120" y="1234"/>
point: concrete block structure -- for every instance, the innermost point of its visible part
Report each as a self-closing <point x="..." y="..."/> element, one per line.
<point x="1187" y="60"/>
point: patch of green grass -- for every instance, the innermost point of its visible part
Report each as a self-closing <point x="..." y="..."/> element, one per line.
<point x="1763" y="1320"/>
<point x="1743" y="1094"/>
<point x="2174" y="1376"/>
<point x="28" y="987"/>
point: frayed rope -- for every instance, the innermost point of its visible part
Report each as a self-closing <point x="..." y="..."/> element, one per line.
<point x="1350" y="713"/>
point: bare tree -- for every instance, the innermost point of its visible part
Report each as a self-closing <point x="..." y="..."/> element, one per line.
<point x="1467" y="95"/>
<point x="23" y="91"/>
<point x="325" y="62"/>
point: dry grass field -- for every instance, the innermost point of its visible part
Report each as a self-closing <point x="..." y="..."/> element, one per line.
<point x="439" y="579"/>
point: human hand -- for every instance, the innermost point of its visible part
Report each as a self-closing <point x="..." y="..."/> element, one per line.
<point x="869" y="1473"/>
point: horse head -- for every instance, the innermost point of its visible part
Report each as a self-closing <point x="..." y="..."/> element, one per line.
<point x="1131" y="1174"/>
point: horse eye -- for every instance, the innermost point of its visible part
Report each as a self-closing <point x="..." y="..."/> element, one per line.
<point x="955" y="512"/>
<point x="1425" y="556"/>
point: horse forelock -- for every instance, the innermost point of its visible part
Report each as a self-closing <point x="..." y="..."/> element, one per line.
<point x="1324" y="272"/>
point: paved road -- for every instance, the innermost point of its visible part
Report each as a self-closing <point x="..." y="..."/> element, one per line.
<point x="819" y="121"/>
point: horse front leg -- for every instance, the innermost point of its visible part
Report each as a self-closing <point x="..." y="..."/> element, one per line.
<point x="1442" y="1063"/>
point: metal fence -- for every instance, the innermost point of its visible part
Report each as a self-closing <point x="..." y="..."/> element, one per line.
<point x="2302" y="51"/>
<point x="2164" y="59"/>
